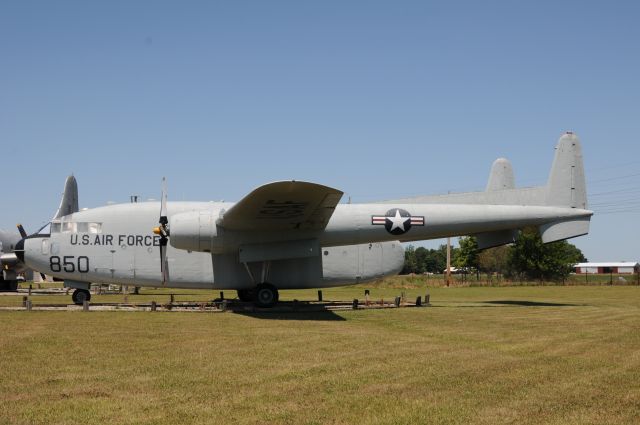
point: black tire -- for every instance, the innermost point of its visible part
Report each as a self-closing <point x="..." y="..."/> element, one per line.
<point x="80" y="295"/>
<point x="266" y="295"/>
<point x="246" y="295"/>
<point x="8" y="285"/>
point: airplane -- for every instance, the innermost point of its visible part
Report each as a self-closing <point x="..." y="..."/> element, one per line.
<point x="295" y="234"/>
<point x="12" y="267"/>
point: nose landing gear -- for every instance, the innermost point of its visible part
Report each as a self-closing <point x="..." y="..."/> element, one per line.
<point x="79" y="296"/>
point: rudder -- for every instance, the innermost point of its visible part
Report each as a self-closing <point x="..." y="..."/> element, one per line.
<point x="566" y="186"/>
<point x="69" y="201"/>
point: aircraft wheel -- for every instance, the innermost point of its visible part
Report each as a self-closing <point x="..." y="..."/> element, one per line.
<point x="266" y="295"/>
<point x="80" y="295"/>
<point x="246" y="295"/>
<point x="9" y="285"/>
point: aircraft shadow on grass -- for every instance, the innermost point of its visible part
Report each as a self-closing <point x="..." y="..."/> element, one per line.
<point x="522" y="303"/>
<point x="319" y="316"/>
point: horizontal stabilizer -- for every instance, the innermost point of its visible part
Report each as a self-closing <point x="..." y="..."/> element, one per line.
<point x="561" y="230"/>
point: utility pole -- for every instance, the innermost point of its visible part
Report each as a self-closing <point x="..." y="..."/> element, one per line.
<point x="448" y="278"/>
<point x="448" y="275"/>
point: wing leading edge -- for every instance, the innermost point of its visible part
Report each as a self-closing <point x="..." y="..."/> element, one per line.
<point x="285" y="205"/>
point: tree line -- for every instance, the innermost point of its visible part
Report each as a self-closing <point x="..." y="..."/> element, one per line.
<point x="527" y="258"/>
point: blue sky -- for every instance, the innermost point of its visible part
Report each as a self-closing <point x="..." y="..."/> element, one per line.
<point x="378" y="99"/>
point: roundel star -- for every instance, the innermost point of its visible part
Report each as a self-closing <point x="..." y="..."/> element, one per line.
<point x="399" y="222"/>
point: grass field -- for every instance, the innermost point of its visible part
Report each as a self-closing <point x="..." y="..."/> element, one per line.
<point x="482" y="355"/>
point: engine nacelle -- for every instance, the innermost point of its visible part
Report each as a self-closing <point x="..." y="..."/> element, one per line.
<point x="193" y="230"/>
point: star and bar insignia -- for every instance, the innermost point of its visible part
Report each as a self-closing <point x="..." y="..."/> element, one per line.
<point x="397" y="221"/>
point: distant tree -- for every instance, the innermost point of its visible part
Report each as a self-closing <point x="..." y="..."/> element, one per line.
<point x="466" y="256"/>
<point x="534" y="260"/>
<point x="575" y="253"/>
<point x="409" y="260"/>
<point x="422" y="259"/>
<point x="494" y="260"/>
<point x="437" y="260"/>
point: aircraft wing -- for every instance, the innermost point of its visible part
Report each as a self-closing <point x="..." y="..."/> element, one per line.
<point x="286" y="205"/>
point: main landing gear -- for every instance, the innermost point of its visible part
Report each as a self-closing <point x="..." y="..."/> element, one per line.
<point x="265" y="295"/>
<point x="80" y="296"/>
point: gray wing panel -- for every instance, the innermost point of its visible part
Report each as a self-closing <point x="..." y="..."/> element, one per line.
<point x="279" y="206"/>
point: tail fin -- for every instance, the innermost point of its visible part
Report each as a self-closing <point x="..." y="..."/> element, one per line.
<point x="566" y="186"/>
<point x="501" y="176"/>
<point x="69" y="201"/>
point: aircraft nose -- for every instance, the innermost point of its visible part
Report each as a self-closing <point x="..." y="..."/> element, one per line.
<point x="19" y="250"/>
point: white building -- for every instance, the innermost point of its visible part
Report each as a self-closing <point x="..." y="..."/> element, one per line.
<point x="623" y="267"/>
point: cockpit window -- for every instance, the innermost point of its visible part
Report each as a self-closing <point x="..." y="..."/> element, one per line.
<point x="76" y="227"/>
<point x="44" y="230"/>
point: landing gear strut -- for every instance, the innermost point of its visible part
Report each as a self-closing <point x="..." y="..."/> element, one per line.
<point x="80" y="296"/>
<point x="266" y="295"/>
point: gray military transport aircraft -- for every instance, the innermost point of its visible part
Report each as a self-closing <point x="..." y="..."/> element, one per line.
<point x="294" y="235"/>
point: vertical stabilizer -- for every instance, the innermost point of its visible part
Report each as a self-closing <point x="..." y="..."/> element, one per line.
<point x="566" y="186"/>
<point x="69" y="202"/>
<point x="501" y="176"/>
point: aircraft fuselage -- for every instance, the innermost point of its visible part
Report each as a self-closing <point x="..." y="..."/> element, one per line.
<point x="115" y="244"/>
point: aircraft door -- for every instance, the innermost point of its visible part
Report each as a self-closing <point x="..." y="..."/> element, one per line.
<point x="123" y="263"/>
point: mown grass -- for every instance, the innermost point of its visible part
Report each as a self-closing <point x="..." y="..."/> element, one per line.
<point x="479" y="355"/>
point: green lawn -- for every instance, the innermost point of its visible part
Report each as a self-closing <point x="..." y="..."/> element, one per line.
<point x="526" y="354"/>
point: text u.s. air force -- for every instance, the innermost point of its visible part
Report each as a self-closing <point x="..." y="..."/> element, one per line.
<point x="111" y="240"/>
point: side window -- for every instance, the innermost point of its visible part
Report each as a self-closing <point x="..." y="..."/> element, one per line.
<point x="82" y="227"/>
<point x="55" y="227"/>
<point x="95" y="227"/>
<point x="69" y="227"/>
